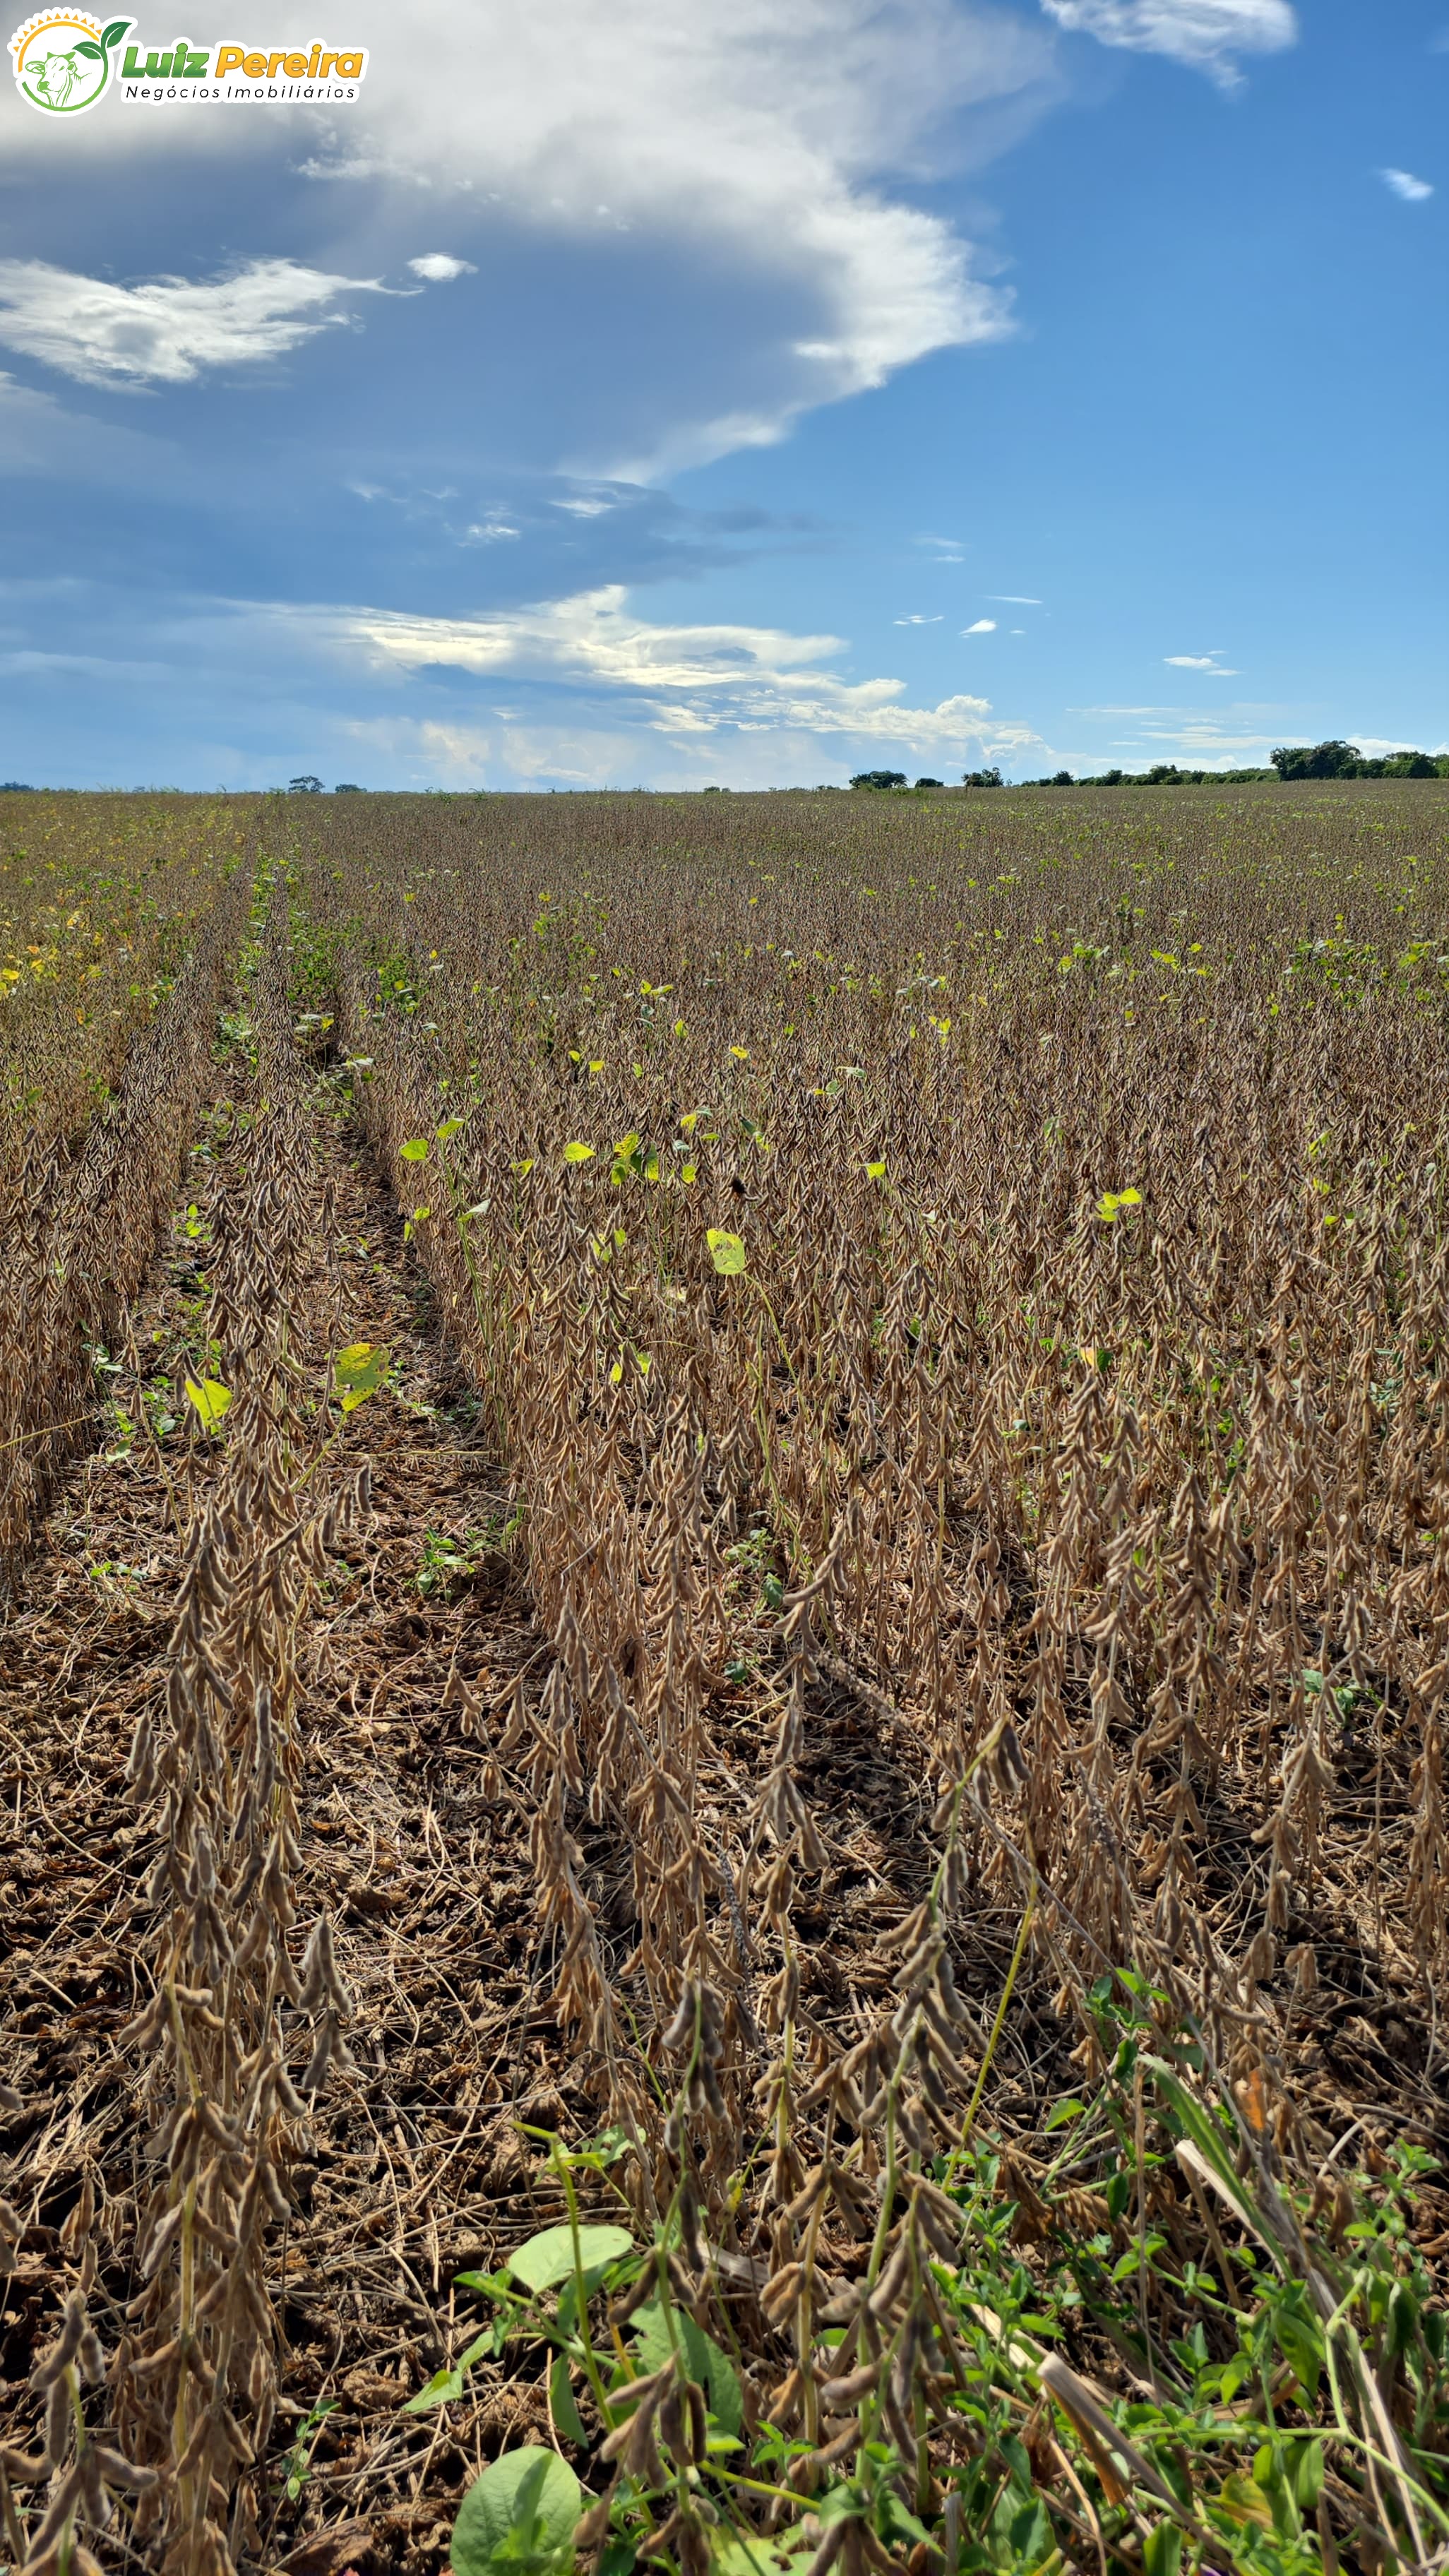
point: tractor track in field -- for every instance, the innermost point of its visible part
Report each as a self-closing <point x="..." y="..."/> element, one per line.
<point x="412" y="2166"/>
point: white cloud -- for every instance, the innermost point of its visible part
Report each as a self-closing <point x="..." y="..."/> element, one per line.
<point x="1208" y="35"/>
<point x="917" y="621"/>
<point x="489" y="532"/>
<point x="678" y="680"/>
<point x="165" y="332"/>
<point x="1405" y="185"/>
<point x="1013" y="599"/>
<point x="947" y="549"/>
<point x="761" y="139"/>
<point x="439" y="267"/>
<point x="756" y="143"/>
<point x="581" y="754"/>
<point x="983" y="626"/>
<point x="1210" y="663"/>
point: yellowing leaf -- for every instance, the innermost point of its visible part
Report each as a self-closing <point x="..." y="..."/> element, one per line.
<point x="689" y="1121"/>
<point x="578" y="1153"/>
<point x="1242" y="2500"/>
<point x="415" y="1150"/>
<point x="449" y="1127"/>
<point x="210" y="1399"/>
<point x="875" y="1171"/>
<point x="359" y="1371"/>
<point x="742" y="1052"/>
<point x="1129" y="1198"/>
<point x="523" y="1167"/>
<point x="726" y="1251"/>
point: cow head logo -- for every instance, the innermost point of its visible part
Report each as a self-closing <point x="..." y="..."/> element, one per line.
<point x="63" y="59"/>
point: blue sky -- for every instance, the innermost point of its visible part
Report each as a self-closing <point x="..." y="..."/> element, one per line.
<point x="745" y="392"/>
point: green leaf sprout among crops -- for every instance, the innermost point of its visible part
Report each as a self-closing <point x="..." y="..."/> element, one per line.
<point x="415" y="1150"/>
<point x="1112" y="1202"/>
<point x="520" y="2514"/>
<point x="360" y="1370"/>
<point x="726" y="1251"/>
<point x="210" y="1399"/>
<point x="576" y="1153"/>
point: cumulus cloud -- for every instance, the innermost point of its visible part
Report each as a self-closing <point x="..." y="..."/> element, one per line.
<point x="1405" y="185"/>
<point x="439" y="267"/>
<point x="763" y="140"/>
<point x="1208" y="35"/>
<point x="677" y="680"/>
<point x="1212" y="663"/>
<point x="168" y="331"/>
<point x="760" y="149"/>
<point x="983" y="626"/>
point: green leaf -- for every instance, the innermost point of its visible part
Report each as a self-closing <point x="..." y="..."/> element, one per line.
<point x="576" y="1153"/>
<point x="726" y="1251"/>
<point x="1308" y="2477"/>
<point x="415" y="1150"/>
<point x="92" y="52"/>
<point x="712" y="2368"/>
<point x="529" y="2498"/>
<point x="549" y="2257"/>
<point x="360" y="1370"/>
<point x="565" y="2413"/>
<point x="445" y="2385"/>
<point x="1060" y="2112"/>
<point x="449" y="1127"/>
<point x="493" y="2285"/>
<point x="1242" y="2500"/>
<point x="1162" y="2550"/>
<point x="210" y="1399"/>
<point x="875" y="1171"/>
<point x="112" y="35"/>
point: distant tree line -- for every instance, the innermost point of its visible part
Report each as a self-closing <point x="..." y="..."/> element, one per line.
<point x="1289" y="762"/>
<point x="1345" y="760"/>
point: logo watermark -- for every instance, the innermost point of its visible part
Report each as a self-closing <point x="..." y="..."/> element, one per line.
<point x="65" y="62"/>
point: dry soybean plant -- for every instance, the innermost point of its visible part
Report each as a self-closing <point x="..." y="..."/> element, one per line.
<point x="955" y="1292"/>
